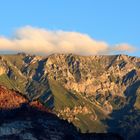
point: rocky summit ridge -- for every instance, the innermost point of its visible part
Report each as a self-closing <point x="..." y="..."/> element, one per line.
<point x="95" y="93"/>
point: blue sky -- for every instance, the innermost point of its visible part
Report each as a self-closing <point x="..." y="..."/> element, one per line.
<point x="112" y="21"/>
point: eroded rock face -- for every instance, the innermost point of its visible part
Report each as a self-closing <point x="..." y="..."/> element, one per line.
<point x="89" y="74"/>
<point x="94" y="75"/>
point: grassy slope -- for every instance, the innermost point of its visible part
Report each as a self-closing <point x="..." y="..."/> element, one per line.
<point x="63" y="98"/>
<point x="5" y="81"/>
<point x="14" y="59"/>
<point x="15" y="62"/>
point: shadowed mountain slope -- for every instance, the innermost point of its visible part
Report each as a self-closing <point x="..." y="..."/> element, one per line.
<point x="22" y="120"/>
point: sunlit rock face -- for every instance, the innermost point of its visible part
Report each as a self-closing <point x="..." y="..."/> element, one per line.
<point x="2" y="70"/>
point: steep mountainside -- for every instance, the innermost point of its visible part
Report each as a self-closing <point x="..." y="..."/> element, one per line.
<point x="95" y="93"/>
<point x="24" y="120"/>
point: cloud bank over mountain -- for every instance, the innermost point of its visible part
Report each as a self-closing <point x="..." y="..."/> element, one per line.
<point x="45" y="42"/>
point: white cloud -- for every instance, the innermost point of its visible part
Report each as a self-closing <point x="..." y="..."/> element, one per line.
<point x="124" y="48"/>
<point x="45" y="42"/>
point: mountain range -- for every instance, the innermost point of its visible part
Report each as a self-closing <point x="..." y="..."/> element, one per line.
<point x="97" y="94"/>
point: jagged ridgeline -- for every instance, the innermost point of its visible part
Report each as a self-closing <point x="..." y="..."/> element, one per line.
<point x="95" y="93"/>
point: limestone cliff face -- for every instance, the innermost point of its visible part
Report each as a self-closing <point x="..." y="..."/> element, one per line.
<point x="94" y="76"/>
<point x="89" y="74"/>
